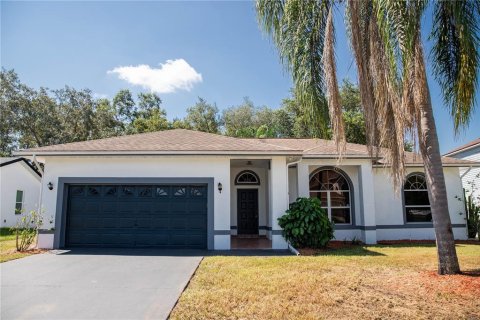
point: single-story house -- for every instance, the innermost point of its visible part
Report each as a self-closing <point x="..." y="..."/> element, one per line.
<point x="470" y="175"/>
<point x="19" y="189"/>
<point x="188" y="189"/>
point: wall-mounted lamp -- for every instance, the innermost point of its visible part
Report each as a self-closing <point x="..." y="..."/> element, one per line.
<point x="220" y="187"/>
<point x="50" y="186"/>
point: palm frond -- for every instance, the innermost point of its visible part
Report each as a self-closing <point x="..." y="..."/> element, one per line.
<point x="456" y="55"/>
<point x="298" y="29"/>
<point x="333" y="94"/>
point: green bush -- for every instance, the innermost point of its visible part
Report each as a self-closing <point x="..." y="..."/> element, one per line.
<point x="473" y="216"/>
<point x="306" y="224"/>
<point x="26" y="230"/>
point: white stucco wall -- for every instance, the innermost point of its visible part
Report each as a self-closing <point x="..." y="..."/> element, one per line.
<point x="389" y="209"/>
<point x="278" y="201"/>
<point x="262" y="196"/>
<point x="292" y="184"/>
<point x="13" y="177"/>
<point x="216" y="167"/>
<point x="377" y="209"/>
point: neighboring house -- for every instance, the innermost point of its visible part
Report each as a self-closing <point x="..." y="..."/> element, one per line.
<point x="19" y="189"/>
<point x="470" y="175"/>
<point x="188" y="189"/>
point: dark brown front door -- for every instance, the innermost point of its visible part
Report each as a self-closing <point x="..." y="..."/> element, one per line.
<point x="247" y="211"/>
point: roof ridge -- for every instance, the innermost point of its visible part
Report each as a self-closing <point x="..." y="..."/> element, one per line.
<point x="466" y="146"/>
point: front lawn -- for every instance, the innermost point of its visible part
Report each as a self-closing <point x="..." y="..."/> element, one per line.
<point x="7" y="246"/>
<point x="370" y="282"/>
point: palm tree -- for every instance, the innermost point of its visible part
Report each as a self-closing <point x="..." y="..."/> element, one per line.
<point x="385" y="36"/>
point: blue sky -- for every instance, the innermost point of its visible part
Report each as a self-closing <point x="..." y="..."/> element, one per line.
<point x="225" y="56"/>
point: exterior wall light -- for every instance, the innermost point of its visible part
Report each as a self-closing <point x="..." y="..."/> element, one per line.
<point x="220" y="187"/>
<point x="50" y="186"/>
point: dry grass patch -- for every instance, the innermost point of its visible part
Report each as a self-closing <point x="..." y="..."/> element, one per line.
<point x="374" y="282"/>
<point x="8" y="249"/>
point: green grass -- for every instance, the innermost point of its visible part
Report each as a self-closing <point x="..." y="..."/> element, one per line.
<point x="364" y="282"/>
<point x="7" y="246"/>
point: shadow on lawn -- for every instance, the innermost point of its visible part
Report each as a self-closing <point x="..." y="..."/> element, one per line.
<point x="471" y="273"/>
<point x="351" y="251"/>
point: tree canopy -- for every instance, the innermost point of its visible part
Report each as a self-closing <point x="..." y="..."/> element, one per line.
<point x="31" y="118"/>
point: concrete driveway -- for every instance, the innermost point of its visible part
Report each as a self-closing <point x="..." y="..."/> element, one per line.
<point x="96" y="284"/>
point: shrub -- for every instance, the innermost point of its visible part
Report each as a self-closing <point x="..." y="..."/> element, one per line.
<point x="26" y="230"/>
<point x="473" y="216"/>
<point x="306" y="224"/>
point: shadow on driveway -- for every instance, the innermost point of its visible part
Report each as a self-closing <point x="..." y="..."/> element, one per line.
<point x="170" y="252"/>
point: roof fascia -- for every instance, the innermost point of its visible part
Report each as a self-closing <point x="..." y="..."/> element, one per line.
<point x="461" y="150"/>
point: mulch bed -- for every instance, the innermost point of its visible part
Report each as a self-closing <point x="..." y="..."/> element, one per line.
<point x="332" y="246"/>
<point x="466" y="283"/>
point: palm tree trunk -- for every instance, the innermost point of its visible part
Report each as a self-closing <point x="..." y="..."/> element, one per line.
<point x="430" y="150"/>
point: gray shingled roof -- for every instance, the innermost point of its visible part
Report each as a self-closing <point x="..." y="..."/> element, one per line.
<point x="181" y="141"/>
<point x="178" y="140"/>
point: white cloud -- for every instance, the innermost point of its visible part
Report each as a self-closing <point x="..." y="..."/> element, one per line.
<point x="171" y="76"/>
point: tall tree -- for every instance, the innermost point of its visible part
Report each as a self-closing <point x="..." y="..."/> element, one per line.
<point x="238" y="121"/>
<point x="352" y="113"/>
<point x="148" y="116"/>
<point x="125" y="107"/>
<point x="203" y="117"/>
<point x="386" y="39"/>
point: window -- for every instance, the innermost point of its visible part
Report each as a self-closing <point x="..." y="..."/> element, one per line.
<point x="334" y="191"/>
<point x="247" y="177"/>
<point x="417" y="204"/>
<point x="19" y="202"/>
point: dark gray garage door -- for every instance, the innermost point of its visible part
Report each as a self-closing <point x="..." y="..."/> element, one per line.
<point x="166" y="216"/>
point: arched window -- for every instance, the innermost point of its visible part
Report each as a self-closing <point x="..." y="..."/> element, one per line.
<point x="415" y="195"/>
<point x="247" y="177"/>
<point x="334" y="190"/>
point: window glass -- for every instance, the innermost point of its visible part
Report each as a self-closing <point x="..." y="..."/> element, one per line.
<point x="341" y="215"/>
<point x="415" y="194"/>
<point x="19" y="196"/>
<point x="19" y="202"/>
<point x="333" y="190"/>
<point x="247" y="177"/>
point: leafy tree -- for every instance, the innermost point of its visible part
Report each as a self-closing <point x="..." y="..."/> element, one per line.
<point x="10" y="100"/>
<point x="149" y="116"/>
<point x="386" y="40"/>
<point x="148" y="101"/>
<point x="353" y="116"/>
<point x="179" y="124"/>
<point x="203" y="117"/>
<point x="284" y="122"/>
<point x="124" y="105"/>
<point x="153" y="120"/>
<point x="239" y="121"/>
<point x="105" y="122"/>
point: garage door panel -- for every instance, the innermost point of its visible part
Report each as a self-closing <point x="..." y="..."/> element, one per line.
<point x="161" y="223"/>
<point x="165" y="216"/>
<point x="126" y="223"/>
<point x="198" y="223"/>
